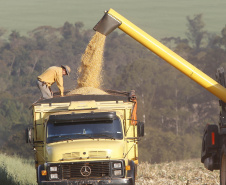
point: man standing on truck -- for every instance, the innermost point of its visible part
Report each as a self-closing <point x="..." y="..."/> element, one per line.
<point x="49" y="77"/>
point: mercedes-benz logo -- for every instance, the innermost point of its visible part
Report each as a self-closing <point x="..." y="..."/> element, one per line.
<point x="85" y="171"/>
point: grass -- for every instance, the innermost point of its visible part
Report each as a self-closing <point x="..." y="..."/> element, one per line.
<point x="158" y="18"/>
<point x="16" y="171"/>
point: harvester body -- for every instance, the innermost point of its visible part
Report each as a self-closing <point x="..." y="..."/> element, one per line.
<point x="214" y="139"/>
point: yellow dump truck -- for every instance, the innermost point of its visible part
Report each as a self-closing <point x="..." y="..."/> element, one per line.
<point x="213" y="153"/>
<point x="86" y="139"/>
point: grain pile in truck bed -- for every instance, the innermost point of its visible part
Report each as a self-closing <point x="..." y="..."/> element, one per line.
<point x="86" y="91"/>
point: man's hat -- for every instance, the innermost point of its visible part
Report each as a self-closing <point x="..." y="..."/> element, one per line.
<point x="67" y="69"/>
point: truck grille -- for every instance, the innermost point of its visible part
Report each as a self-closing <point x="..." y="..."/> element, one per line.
<point x="85" y="170"/>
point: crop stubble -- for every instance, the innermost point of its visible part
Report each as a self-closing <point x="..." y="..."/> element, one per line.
<point x="189" y="172"/>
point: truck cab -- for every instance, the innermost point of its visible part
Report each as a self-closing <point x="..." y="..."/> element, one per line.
<point x="86" y="139"/>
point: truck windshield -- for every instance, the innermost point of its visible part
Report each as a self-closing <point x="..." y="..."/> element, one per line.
<point x="84" y="130"/>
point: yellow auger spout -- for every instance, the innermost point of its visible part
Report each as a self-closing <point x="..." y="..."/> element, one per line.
<point x="112" y="20"/>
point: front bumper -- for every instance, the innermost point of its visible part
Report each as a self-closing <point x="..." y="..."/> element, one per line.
<point x="112" y="181"/>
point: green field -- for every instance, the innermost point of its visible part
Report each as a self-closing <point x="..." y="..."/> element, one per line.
<point x="15" y="170"/>
<point x="159" y="18"/>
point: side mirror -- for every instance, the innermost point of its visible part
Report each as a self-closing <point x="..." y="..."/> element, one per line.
<point x="28" y="135"/>
<point x="140" y="129"/>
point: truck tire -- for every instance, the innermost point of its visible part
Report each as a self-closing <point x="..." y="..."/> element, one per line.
<point x="223" y="167"/>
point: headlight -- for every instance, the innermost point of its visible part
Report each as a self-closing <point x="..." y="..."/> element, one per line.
<point x="117" y="172"/>
<point x="117" y="165"/>
<point x="54" y="172"/>
<point x="53" y="168"/>
<point x="117" y="169"/>
<point x="54" y="176"/>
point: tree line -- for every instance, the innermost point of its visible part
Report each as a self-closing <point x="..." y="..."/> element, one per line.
<point x="174" y="108"/>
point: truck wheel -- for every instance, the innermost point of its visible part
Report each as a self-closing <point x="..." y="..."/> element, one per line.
<point x="223" y="168"/>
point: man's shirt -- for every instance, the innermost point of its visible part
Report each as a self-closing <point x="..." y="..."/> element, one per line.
<point x="51" y="75"/>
